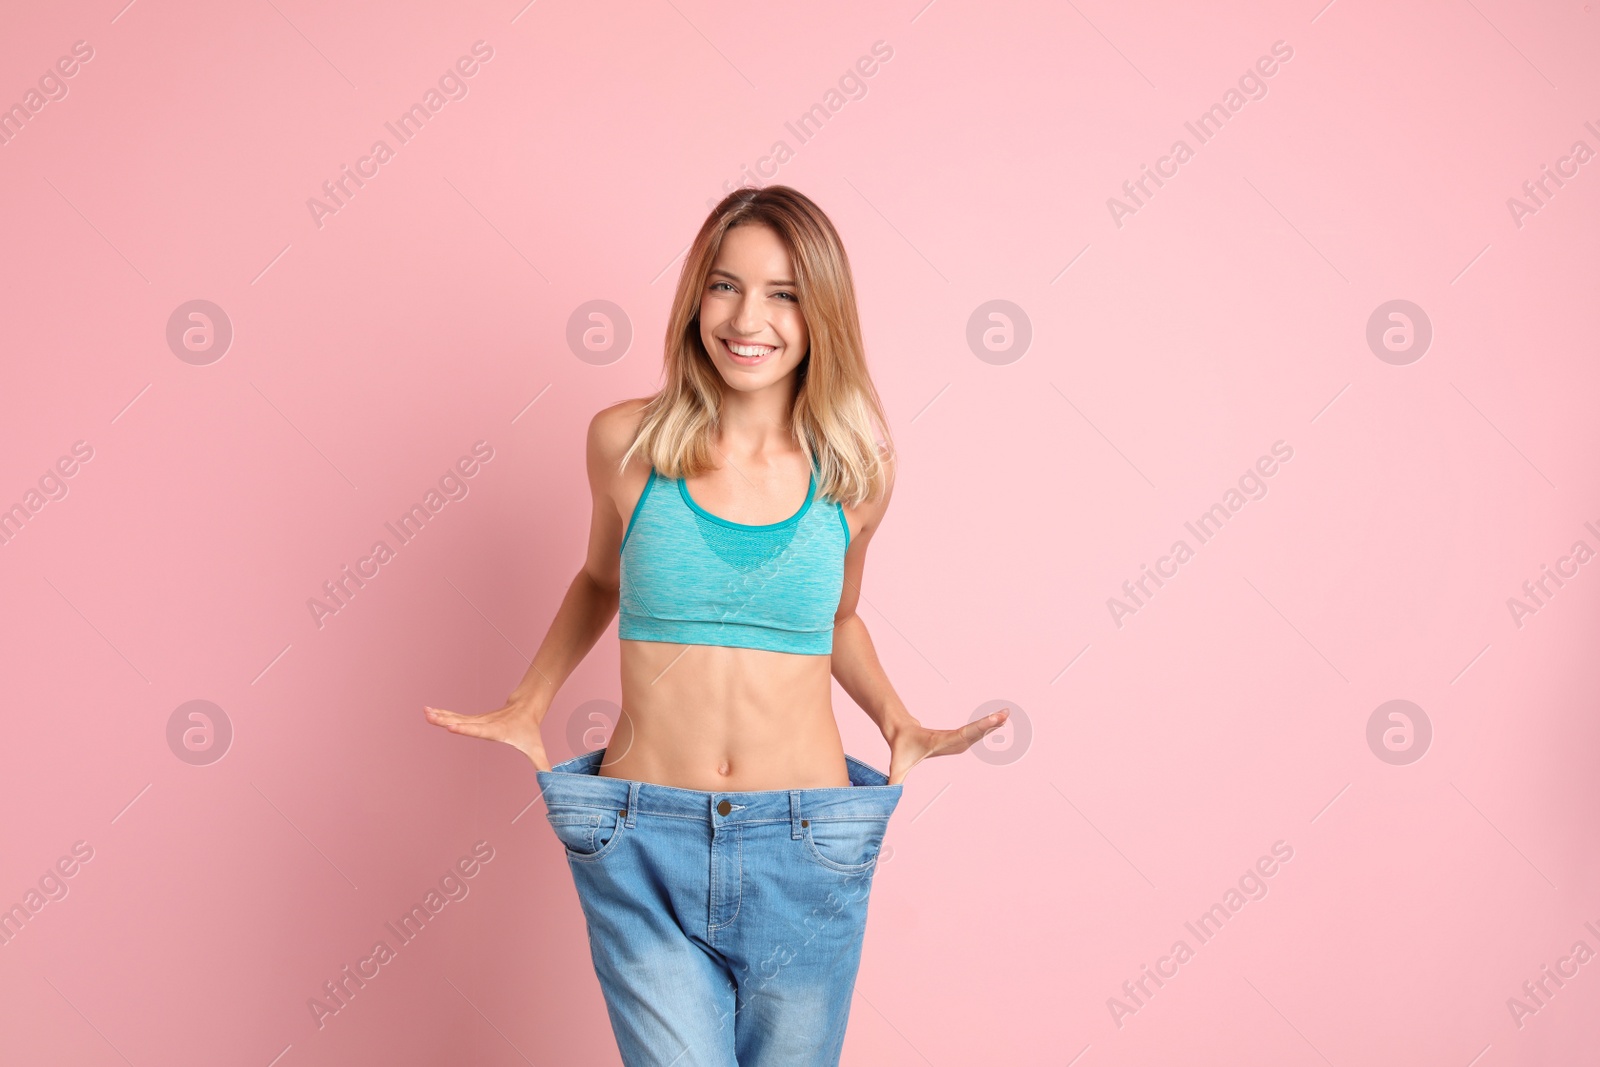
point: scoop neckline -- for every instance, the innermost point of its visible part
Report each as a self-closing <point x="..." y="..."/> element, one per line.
<point x="811" y="492"/>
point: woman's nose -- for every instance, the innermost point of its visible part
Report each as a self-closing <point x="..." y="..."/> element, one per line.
<point x="747" y="317"/>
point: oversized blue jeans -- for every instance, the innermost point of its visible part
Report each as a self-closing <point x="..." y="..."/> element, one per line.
<point x="725" y="927"/>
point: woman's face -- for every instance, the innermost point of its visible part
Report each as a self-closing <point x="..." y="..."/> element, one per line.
<point x="750" y="317"/>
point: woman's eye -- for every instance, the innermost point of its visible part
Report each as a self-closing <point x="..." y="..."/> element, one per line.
<point x="791" y="297"/>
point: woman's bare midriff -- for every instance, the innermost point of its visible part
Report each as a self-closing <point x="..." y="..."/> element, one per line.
<point x="722" y="719"/>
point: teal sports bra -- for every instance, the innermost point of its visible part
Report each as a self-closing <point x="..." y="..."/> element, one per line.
<point x="693" y="578"/>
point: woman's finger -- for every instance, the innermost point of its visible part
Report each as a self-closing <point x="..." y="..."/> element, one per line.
<point x="488" y="731"/>
<point x="445" y="718"/>
<point x="987" y="725"/>
<point x="953" y="742"/>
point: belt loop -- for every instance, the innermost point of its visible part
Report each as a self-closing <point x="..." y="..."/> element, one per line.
<point x="633" y="803"/>
<point x="794" y="814"/>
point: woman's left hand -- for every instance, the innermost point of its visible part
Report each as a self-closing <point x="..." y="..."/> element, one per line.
<point x="913" y="744"/>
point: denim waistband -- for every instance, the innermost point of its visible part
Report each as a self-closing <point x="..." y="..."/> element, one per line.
<point x="576" y="782"/>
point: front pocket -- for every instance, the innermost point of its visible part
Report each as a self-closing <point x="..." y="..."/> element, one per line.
<point x="585" y="832"/>
<point x="849" y="846"/>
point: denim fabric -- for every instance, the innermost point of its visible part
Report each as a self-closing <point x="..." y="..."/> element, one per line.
<point x="725" y="927"/>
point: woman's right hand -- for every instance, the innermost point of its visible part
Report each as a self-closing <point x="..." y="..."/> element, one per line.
<point x="515" y="724"/>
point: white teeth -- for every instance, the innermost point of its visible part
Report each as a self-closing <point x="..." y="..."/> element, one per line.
<point x="748" y="350"/>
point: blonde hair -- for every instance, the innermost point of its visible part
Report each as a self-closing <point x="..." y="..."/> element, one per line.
<point x="835" y="405"/>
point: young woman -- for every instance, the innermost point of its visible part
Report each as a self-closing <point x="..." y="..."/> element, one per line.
<point x="722" y="843"/>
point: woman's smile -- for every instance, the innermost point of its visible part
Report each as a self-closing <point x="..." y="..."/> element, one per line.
<point x="746" y="355"/>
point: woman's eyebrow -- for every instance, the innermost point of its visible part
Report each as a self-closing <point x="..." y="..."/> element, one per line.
<point x="735" y="277"/>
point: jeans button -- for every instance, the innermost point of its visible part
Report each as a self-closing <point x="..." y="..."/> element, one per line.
<point x="724" y="807"/>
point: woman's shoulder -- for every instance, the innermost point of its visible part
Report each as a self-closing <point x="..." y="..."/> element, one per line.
<point x="613" y="428"/>
<point x="611" y="433"/>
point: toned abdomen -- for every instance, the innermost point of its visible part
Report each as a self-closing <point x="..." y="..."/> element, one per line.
<point x="720" y="718"/>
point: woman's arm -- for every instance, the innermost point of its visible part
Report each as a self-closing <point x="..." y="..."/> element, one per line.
<point x="585" y="612"/>
<point x="855" y="661"/>
<point x="591" y="600"/>
<point x="855" y="664"/>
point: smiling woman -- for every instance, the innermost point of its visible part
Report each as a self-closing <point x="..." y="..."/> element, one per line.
<point x="732" y="514"/>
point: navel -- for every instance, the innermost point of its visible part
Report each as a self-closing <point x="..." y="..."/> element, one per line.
<point x="724" y="768"/>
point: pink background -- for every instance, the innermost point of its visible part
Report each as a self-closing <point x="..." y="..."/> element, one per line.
<point x="1018" y="892"/>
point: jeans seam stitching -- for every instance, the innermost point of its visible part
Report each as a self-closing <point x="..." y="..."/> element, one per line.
<point x="832" y="865"/>
<point x="604" y="850"/>
<point x="739" y="870"/>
